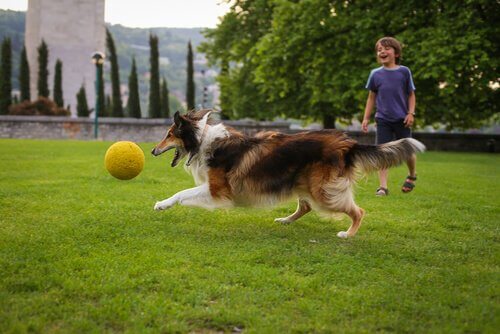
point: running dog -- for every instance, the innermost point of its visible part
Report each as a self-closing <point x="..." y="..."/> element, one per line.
<point x="319" y="168"/>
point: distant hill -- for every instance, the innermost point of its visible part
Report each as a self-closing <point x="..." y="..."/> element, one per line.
<point x="134" y="42"/>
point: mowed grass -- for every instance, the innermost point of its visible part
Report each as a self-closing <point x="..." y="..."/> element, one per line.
<point x="81" y="251"/>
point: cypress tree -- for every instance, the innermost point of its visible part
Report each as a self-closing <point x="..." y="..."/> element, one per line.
<point x="58" y="92"/>
<point x="43" y="72"/>
<point x="165" y="108"/>
<point x="109" y="106"/>
<point x="5" y="77"/>
<point x="100" y="96"/>
<point x="117" y="110"/>
<point x="82" y="107"/>
<point x="190" y="79"/>
<point x="24" y="76"/>
<point x="133" y="104"/>
<point x="154" y="87"/>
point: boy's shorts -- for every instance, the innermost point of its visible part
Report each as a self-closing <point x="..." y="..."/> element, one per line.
<point x="389" y="131"/>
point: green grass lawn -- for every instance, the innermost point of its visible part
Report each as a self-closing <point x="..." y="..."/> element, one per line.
<point x="83" y="252"/>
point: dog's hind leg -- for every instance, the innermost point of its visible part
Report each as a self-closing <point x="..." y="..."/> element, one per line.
<point x="336" y="196"/>
<point x="197" y="196"/>
<point x="303" y="207"/>
<point x="356" y="214"/>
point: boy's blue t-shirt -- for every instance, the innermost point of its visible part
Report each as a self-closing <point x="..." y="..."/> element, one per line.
<point x="392" y="86"/>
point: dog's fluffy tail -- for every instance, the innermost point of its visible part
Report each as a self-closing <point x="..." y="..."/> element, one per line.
<point x="370" y="158"/>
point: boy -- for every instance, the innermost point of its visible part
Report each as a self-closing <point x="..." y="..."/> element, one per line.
<point x="392" y="90"/>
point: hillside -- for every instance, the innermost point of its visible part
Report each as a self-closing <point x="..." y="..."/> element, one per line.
<point x="134" y="42"/>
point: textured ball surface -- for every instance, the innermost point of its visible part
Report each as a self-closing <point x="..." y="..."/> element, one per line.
<point x="124" y="160"/>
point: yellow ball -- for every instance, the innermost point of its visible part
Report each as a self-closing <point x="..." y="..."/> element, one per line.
<point x="124" y="160"/>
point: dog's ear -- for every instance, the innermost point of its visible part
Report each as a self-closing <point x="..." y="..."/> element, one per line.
<point x="177" y="118"/>
<point x="204" y="113"/>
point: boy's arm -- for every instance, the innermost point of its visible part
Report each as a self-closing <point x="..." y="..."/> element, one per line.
<point x="410" y="118"/>
<point x="370" y="103"/>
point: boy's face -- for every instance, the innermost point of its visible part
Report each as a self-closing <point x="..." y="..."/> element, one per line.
<point x="386" y="55"/>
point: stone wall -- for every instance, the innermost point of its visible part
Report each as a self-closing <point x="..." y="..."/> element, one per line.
<point x="152" y="130"/>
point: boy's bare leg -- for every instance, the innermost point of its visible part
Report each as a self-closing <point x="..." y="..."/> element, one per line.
<point x="412" y="165"/>
<point x="382" y="176"/>
<point x="409" y="183"/>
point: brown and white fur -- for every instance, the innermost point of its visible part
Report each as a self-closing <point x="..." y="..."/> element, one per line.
<point x="319" y="168"/>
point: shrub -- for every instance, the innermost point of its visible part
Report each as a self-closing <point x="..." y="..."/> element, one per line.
<point x="42" y="106"/>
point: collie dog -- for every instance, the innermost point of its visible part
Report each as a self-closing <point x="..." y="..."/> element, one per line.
<point x="319" y="168"/>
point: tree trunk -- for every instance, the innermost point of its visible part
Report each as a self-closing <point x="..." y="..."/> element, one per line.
<point x="328" y="121"/>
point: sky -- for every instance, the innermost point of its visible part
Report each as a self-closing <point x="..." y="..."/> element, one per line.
<point x="153" y="13"/>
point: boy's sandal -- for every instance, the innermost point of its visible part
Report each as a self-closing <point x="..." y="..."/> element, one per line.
<point x="409" y="184"/>
<point x="381" y="191"/>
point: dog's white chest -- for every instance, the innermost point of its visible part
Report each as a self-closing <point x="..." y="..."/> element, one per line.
<point x="198" y="170"/>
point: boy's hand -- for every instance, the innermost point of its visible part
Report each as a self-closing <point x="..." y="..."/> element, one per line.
<point x="364" y="125"/>
<point x="409" y="119"/>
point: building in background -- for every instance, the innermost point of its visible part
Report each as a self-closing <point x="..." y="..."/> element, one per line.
<point x="73" y="31"/>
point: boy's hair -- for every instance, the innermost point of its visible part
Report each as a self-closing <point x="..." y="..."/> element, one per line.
<point x="393" y="43"/>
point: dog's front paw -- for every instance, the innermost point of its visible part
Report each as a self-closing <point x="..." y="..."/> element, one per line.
<point x="284" y="221"/>
<point x="163" y="205"/>
<point x="158" y="206"/>
<point x="343" y="235"/>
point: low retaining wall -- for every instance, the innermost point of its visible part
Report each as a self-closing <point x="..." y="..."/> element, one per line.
<point x="152" y="130"/>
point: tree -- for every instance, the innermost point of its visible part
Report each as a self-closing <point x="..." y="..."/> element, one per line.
<point x="43" y="72"/>
<point x="154" y="87"/>
<point x="165" y="108"/>
<point x="82" y="107"/>
<point x="115" y="77"/>
<point x="133" y="104"/>
<point x="58" y="92"/>
<point x="100" y="94"/>
<point x="310" y="59"/>
<point x="24" y="76"/>
<point x="190" y="89"/>
<point x="108" y="106"/>
<point x="5" y="77"/>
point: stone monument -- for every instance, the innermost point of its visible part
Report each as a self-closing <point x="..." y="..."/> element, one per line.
<point x="73" y="30"/>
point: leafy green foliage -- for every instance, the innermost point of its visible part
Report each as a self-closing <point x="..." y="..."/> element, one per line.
<point x="454" y="56"/>
<point x="12" y="25"/>
<point x="100" y="106"/>
<point x="5" y="76"/>
<point x="58" y="91"/>
<point x="310" y="59"/>
<point x="190" y="87"/>
<point x="108" y="105"/>
<point x="82" y="107"/>
<point x="154" y="86"/>
<point x="83" y="252"/>
<point x="165" y="104"/>
<point x="24" y="76"/>
<point x="115" y="76"/>
<point x="133" y="103"/>
<point x="231" y="47"/>
<point x="43" y="71"/>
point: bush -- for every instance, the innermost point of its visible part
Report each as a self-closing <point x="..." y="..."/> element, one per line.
<point x="42" y="106"/>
